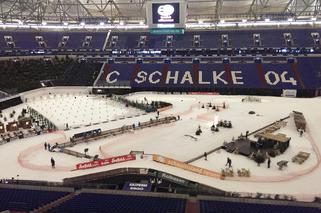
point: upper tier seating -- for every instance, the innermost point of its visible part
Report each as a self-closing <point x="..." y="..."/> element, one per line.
<point x="213" y="39"/>
<point x="90" y="202"/>
<point x="27" y="40"/>
<point x="26" y="200"/>
<point x="272" y="38"/>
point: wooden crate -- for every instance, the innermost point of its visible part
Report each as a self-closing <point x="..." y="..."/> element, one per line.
<point x="301" y="157"/>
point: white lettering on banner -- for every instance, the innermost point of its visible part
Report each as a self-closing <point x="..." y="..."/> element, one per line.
<point x="136" y="188"/>
<point x="169" y="77"/>
<point x="104" y="162"/>
<point x="200" y="78"/>
<point x="174" y="77"/>
<point x="88" y="165"/>
<point x="290" y="80"/>
<point x="268" y="79"/>
<point x="236" y="78"/>
<point x="117" y="160"/>
<point x="187" y="77"/>
<point x="108" y="78"/>
<point x="152" y="75"/>
<point x="141" y="77"/>
<point x="138" y="184"/>
<point x="217" y="77"/>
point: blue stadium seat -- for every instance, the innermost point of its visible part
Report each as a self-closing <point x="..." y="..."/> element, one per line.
<point x="26" y="200"/>
<point x="90" y="202"/>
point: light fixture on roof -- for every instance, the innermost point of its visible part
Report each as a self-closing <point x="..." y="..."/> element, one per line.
<point x="290" y="19"/>
<point x="82" y="23"/>
<point x="121" y="23"/>
<point x="141" y="22"/>
<point x="313" y="19"/>
<point x="101" y="23"/>
<point x="244" y="20"/>
<point x="267" y="20"/>
<point x="200" y="22"/>
<point x="20" y="22"/>
<point x="222" y="21"/>
<point x="44" y="23"/>
<point x="66" y="23"/>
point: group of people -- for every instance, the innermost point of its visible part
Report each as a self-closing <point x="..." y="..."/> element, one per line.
<point x="213" y="106"/>
<point x="229" y="161"/>
<point x="48" y="147"/>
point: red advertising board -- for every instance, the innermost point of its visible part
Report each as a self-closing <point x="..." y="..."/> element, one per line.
<point x="105" y="162"/>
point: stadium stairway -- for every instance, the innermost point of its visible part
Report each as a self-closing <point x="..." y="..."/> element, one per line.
<point x="55" y="203"/>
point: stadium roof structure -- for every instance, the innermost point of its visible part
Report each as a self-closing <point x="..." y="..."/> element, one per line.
<point x="133" y="11"/>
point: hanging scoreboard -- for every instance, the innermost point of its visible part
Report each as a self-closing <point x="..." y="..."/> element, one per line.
<point x="166" y="13"/>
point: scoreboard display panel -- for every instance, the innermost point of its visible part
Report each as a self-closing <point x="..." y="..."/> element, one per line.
<point x="166" y="13"/>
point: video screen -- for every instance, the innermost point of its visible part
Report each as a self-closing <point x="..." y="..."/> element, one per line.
<point x="167" y="13"/>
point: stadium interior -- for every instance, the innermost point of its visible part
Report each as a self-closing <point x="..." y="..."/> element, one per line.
<point x="112" y="48"/>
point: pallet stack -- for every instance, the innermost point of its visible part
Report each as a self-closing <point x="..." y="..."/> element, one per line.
<point x="299" y="120"/>
<point x="276" y="126"/>
<point x="301" y="157"/>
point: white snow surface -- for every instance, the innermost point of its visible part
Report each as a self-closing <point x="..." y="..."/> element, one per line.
<point x="28" y="159"/>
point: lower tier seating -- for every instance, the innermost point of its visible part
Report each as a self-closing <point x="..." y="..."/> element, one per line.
<point x="90" y="202"/>
<point x="26" y="200"/>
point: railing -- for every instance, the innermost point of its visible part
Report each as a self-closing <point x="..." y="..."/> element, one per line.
<point x="164" y="52"/>
<point x="117" y="131"/>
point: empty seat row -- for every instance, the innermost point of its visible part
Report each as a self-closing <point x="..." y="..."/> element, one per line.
<point x="90" y="202"/>
<point x="217" y="39"/>
<point x="26" y="200"/>
<point x="51" y="40"/>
